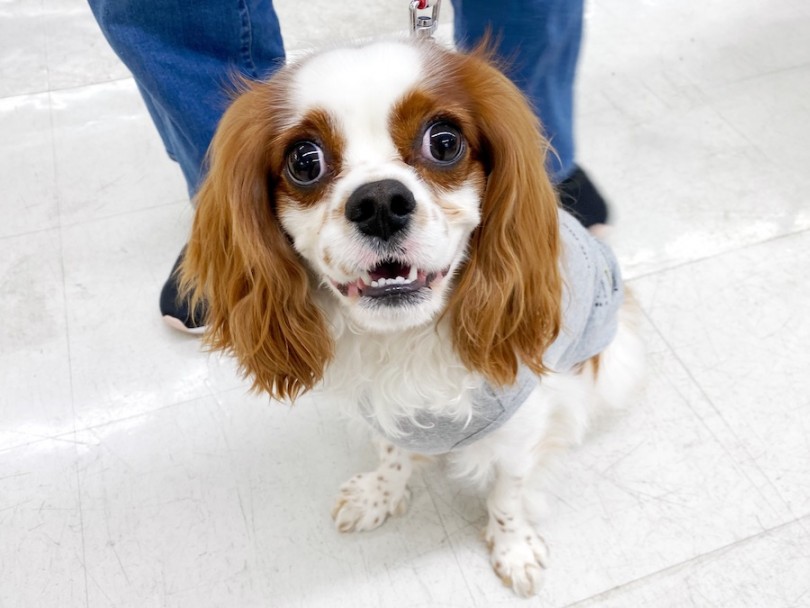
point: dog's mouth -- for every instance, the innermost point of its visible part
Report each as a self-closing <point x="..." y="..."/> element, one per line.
<point x="391" y="282"/>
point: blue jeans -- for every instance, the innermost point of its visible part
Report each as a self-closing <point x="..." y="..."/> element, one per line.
<point x="183" y="53"/>
<point x="539" y="41"/>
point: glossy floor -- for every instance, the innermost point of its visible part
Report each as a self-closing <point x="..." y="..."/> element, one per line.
<point x="136" y="471"/>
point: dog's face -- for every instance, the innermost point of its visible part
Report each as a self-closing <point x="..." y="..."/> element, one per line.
<point x="381" y="182"/>
<point x="407" y="180"/>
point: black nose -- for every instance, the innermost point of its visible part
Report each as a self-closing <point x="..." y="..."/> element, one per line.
<point x="381" y="208"/>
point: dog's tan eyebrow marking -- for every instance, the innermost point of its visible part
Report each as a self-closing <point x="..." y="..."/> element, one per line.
<point x="407" y="122"/>
<point x="318" y="126"/>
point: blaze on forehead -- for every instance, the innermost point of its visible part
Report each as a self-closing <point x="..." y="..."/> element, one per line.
<point x="336" y="79"/>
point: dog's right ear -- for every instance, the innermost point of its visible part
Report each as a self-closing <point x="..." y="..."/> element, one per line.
<point x="506" y="308"/>
<point x="241" y="264"/>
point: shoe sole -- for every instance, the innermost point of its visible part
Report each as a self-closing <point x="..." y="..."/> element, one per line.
<point x="177" y="324"/>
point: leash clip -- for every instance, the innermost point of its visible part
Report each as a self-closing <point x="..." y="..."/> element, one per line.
<point x="423" y="25"/>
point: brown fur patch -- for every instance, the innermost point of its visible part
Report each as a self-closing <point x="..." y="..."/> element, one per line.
<point x="591" y="365"/>
<point x="412" y="116"/>
<point x="595" y="362"/>
<point x="240" y="261"/>
<point x="506" y="305"/>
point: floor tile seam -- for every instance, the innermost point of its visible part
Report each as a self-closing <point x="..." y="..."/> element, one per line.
<point x="802" y="521"/>
<point x="737" y="439"/>
<point x="450" y="542"/>
<point x="798" y="67"/>
<point x="26" y="233"/>
<point x="710" y="89"/>
<point x="37" y="439"/>
<point x="89" y="221"/>
<point x="71" y="380"/>
<point x="753" y="143"/>
<point x="66" y="89"/>
<point x="727" y="252"/>
<point x="47" y="60"/>
<point x="121" y="214"/>
<point x="81" y="429"/>
<point x="92" y="220"/>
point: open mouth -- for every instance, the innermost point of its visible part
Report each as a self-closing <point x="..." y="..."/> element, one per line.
<point x="392" y="281"/>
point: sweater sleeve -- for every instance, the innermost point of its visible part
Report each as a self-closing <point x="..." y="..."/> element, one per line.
<point x="592" y="295"/>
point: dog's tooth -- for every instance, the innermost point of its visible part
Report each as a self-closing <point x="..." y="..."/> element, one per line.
<point x="412" y="274"/>
<point x="366" y="278"/>
<point x="400" y="280"/>
<point x="375" y="283"/>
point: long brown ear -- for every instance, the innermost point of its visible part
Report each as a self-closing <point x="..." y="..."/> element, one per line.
<point x="240" y="262"/>
<point x="506" y="307"/>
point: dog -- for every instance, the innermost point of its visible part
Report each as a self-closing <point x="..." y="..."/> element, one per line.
<point x="377" y="222"/>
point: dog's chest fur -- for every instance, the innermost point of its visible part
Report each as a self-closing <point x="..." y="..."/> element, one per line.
<point x="399" y="375"/>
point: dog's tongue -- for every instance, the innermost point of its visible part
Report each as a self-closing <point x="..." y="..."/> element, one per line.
<point x="389" y="270"/>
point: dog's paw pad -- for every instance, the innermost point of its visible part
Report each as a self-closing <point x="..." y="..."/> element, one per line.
<point x="519" y="558"/>
<point x="366" y="501"/>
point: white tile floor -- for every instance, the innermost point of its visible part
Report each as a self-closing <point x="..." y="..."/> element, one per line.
<point x="135" y="471"/>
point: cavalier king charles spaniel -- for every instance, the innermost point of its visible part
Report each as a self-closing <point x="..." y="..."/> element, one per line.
<point x="377" y="223"/>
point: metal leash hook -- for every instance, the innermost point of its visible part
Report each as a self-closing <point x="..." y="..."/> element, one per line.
<point x="424" y="25"/>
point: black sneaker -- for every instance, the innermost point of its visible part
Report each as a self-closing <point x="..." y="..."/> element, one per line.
<point x="175" y="311"/>
<point x="581" y="199"/>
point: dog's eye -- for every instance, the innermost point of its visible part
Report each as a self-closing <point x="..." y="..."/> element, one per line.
<point x="442" y="143"/>
<point x="305" y="163"/>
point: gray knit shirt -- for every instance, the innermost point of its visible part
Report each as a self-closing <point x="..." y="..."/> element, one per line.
<point x="592" y="295"/>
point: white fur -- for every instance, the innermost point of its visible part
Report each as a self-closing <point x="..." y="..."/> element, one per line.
<point x="399" y="361"/>
<point x="398" y="374"/>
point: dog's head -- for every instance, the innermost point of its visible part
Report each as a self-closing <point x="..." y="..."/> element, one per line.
<point x="405" y="179"/>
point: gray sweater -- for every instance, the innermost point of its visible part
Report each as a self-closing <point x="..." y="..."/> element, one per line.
<point x="592" y="295"/>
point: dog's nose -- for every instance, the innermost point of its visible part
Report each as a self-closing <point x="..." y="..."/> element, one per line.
<point x="381" y="209"/>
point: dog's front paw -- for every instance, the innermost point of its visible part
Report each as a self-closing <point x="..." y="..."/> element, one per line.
<point x="518" y="555"/>
<point x="366" y="501"/>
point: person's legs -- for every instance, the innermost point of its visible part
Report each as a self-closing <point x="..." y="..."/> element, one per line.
<point x="539" y="40"/>
<point x="183" y="55"/>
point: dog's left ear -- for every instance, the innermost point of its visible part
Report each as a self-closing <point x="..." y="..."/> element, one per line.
<point x="506" y="307"/>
